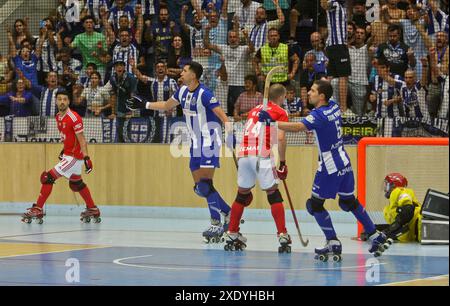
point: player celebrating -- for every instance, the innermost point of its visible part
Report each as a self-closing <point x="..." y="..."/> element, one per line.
<point x="248" y="171"/>
<point x="203" y="115"/>
<point x="335" y="174"/>
<point x="72" y="157"/>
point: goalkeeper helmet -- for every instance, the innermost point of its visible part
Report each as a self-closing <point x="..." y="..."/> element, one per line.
<point x="392" y="181"/>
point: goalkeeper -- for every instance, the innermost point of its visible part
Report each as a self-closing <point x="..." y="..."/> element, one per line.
<point x="403" y="214"/>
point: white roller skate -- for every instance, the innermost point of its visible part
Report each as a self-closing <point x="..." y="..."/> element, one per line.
<point x="235" y="242"/>
<point x="380" y="243"/>
<point x="285" y="241"/>
<point x="35" y="213"/>
<point x="214" y="233"/>
<point x="91" y="213"/>
<point x="332" y="248"/>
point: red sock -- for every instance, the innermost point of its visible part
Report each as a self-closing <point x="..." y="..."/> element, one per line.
<point x="86" y="195"/>
<point x="278" y="216"/>
<point x="237" y="210"/>
<point x="46" y="190"/>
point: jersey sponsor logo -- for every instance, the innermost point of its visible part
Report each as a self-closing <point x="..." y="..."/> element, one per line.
<point x="345" y="171"/>
<point x="310" y="118"/>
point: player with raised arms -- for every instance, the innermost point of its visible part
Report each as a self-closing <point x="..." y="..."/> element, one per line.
<point x="334" y="175"/>
<point x="72" y="157"/>
<point x="203" y="116"/>
<point x="248" y="171"/>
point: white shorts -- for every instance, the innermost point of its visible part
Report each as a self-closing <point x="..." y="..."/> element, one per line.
<point x="247" y="173"/>
<point x="69" y="166"/>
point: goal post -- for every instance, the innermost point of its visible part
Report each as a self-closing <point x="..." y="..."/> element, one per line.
<point x="424" y="162"/>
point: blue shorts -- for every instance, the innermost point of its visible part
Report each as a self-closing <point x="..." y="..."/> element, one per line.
<point x="327" y="186"/>
<point x="204" y="162"/>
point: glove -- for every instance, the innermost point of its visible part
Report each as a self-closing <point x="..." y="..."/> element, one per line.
<point x="135" y="103"/>
<point x="88" y="164"/>
<point x="282" y="171"/>
<point x="61" y="154"/>
<point x="265" y="117"/>
<point x="231" y="141"/>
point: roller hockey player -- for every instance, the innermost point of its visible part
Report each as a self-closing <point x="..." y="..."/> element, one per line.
<point x="72" y="158"/>
<point x="203" y="116"/>
<point x="248" y="171"/>
<point x="334" y="175"/>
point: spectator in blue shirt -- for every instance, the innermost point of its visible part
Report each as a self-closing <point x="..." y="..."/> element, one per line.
<point x="18" y="100"/>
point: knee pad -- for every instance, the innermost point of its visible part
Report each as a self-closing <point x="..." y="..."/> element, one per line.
<point x="204" y="188"/>
<point x="244" y="199"/>
<point x="349" y="204"/>
<point x="314" y="205"/>
<point x="275" y="197"/>
<point x="47" y="178"/>
<point x="77" y="185"/>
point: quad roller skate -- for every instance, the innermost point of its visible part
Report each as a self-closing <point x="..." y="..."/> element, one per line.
<point x="35" y="213"/>
<point x="91" y="214"/>
<point x="235" y="242"/>
<point x="332" y="248"/>
<point x="285" y="241"/>
<point x="214" y="233"/>
<point x="380" y="243"/>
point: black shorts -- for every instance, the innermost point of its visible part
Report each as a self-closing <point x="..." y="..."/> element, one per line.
<point x="338" y="61"/>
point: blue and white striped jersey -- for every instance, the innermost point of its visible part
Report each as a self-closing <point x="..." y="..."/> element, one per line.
<point x="203" y="124"/>
<point x="385" y="91"/>
<point x="413" y="106"/>
<point x="437" y="22"/>
<point x="125" y="54"/>
<point x="325" y="122"/>
<point x="337" y="24"/>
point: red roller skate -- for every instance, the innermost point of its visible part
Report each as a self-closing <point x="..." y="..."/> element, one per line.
<point x="35" y="213"/>
<point x="91" y="213"/>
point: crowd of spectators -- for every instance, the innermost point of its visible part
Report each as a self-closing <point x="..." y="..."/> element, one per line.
<point x="386" y="60"/>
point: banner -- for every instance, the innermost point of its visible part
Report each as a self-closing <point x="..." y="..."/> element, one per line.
<point x="149" y="130"/>
<point x="353" y="129"/>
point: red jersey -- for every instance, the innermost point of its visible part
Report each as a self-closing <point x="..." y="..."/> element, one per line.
<point x="69" y="125"/>
<point x="250" y="141"/>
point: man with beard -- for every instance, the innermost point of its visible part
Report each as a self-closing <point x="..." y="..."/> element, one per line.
<point x="235" y="57"/>
<point x="260" y="32"/>
<point x="72" y="158"/>
<point x="163" y="33"/>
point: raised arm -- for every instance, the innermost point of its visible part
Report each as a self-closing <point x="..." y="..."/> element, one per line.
<point x="11" y="45"/>
<point x="224" y="14"/>
<point x="197" y="8"/>
<point x="207" y="43"/>
<point x="139" y="24"/>
<point x="280" y="13"/>
<point x="183" y="24"/>
<point x="41" y="42"/>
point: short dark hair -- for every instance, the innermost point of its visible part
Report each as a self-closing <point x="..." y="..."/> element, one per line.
<point x="93" y="65"/>
<point x="273" y="29"/>
<point x="394" y="27"/>
<point x="62" y="92"/>
<point x="87" y="18"/>
<point x="325" y="88"/>
<point x="97" y="74"/>
<point x="196" y="68"/>
<point x="252" y="78"/>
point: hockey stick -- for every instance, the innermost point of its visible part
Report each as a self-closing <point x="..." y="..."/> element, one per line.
<point x="262" y="133"/>
<point x="304" y="243"/>
<point x="76" y="199"/>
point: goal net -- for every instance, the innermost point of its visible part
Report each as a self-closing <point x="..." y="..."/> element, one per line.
<point x="423" y="161"/>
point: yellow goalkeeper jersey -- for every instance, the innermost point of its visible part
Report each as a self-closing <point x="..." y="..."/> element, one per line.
<point x="400" y="197"/>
